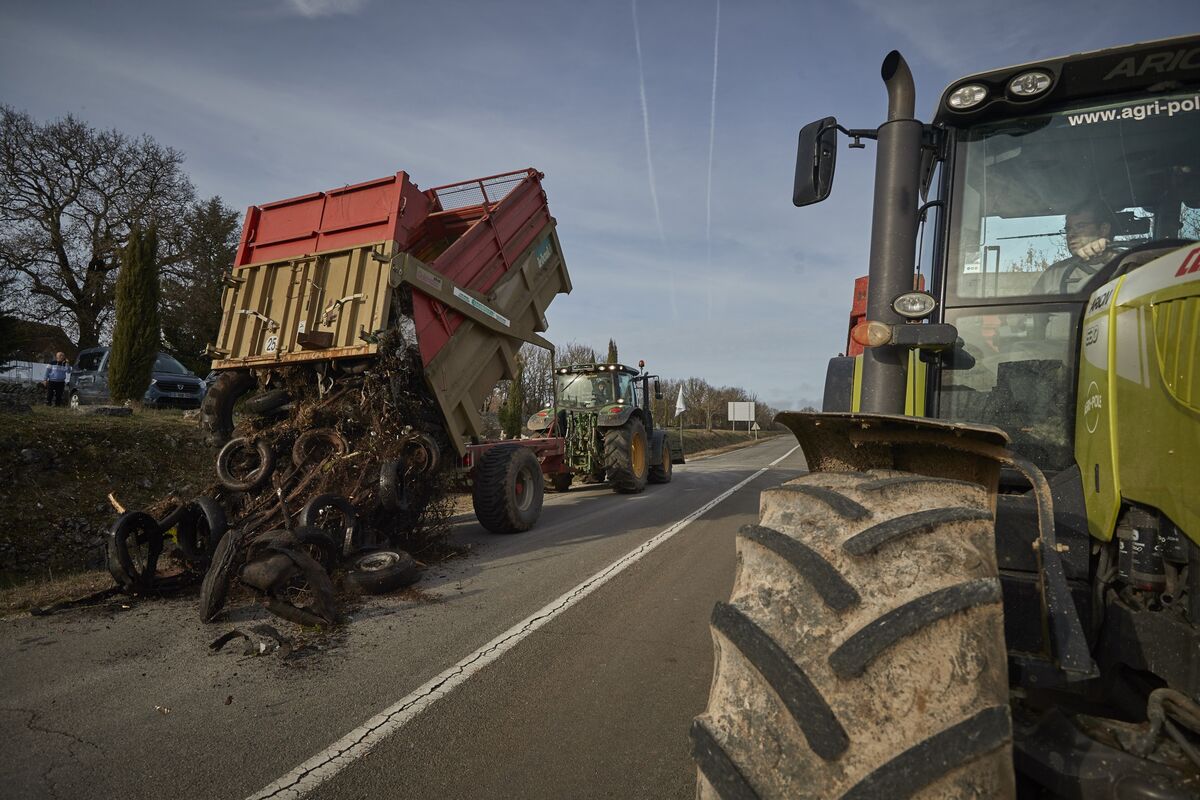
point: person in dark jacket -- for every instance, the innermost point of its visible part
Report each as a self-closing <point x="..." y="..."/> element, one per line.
<point x="57" y="373"/>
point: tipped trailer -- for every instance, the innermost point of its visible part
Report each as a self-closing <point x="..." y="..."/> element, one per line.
<point x="462" y="272"/>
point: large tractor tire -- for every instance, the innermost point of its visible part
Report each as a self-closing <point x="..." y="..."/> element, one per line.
<point x="507" y="494"/>
<point x="626" y="457"/>
<point x="216" y="412"/>
<point x="861" y="654"/>
<point x="662" y="471"/>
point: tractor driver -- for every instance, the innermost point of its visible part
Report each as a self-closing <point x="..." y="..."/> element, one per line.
<point x="1089" y="239"/>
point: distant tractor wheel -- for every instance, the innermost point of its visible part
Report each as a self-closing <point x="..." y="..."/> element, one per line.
<point x="561" y="481"/>
<point x="216" y="412"/>
<point x="661" y="472"/>
<point x="626" y="457"/>
<point x="508" y="489"/>
<point x="862" y="651"/>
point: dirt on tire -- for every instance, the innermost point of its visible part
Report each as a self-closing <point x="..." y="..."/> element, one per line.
<point x="862" y="651"/>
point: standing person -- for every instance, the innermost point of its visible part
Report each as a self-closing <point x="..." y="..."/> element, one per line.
<point x="57" y="373"/>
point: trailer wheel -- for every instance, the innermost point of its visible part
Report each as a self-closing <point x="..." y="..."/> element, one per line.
<point x="662" y="472"/>
<point x="561" y="481"/>
<point x="508" y="489"/>
<point x="216" y="412"/>
<point x="626" y="457"/>
<point x="862" y="651"/>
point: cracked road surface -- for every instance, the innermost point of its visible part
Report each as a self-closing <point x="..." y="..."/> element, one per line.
<point x="489" y="690"/>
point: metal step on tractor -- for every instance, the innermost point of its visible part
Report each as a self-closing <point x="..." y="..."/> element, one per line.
<point x="604" y="413"/>
<point x="989" y="583"/>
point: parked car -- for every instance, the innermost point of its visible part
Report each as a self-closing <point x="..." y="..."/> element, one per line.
<point x="172" y="385"/>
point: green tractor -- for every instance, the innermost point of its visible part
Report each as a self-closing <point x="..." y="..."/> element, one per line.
<point x="989" y="583"/>
<point x="603" y="413"/>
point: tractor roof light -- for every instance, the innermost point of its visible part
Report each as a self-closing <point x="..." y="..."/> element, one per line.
<point x="914" y="305"/>
<point x="1030" y="84"/>
<point x="871" y="333"/>
<point x="967" y="96"/>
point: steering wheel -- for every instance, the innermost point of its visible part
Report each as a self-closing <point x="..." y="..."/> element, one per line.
<point x="1124" y="261"/>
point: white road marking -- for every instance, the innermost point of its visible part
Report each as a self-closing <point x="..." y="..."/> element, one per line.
<point x="360" y="741"/>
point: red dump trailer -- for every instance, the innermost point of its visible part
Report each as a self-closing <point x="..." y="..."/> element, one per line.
<point x="466" y="269"/>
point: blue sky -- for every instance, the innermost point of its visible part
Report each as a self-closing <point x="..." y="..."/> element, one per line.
<point x="277" y="98"/>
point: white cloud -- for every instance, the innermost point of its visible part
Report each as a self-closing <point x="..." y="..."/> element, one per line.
<point x="311" y="9"/>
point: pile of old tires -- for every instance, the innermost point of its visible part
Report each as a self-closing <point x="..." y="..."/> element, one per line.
<point x="289" y="561"/>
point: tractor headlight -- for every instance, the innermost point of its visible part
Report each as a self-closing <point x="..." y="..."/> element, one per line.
<point x="1030" y="84"/>
<point x="968" y="96"/>
<point x="914" y="305"/>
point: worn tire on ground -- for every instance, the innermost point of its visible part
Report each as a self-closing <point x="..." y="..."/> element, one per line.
<point x="381" y="571"/>
<point x="132" y="531"/>
<point x="216" y="412"/>
<point x="507" y="495"/>
<point x="626" y="457"/>
<point x="215" y="586"/>
<point x="268" y="402"/>
<point x="862" y="652"/>
<point x="662" y="471"/>
<point x="200" y="528"/>
<point x="346" y="535"/>
<point x="257" y="477"/>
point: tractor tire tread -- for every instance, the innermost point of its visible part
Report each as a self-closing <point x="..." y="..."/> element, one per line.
<point x="855" y="658"/>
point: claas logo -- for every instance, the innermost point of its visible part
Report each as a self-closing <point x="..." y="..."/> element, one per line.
<point x="1191" y="263"/>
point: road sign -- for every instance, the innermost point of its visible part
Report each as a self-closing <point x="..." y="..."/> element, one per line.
<point x="741" y="411"/>
<point x="755" y="427"/>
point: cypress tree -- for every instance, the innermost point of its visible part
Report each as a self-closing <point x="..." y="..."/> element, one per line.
<point x="512" y="413"/>
<point x="136" y="336"/>
<point x="612" y="352"/>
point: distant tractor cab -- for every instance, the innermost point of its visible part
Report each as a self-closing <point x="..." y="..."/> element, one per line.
<point x="604" y="413"/>
<point x="989" y="583"/>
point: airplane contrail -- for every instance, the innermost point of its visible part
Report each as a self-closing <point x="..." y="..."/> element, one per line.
<point x="712" y="134"/>
<point x="637" y="42"/>
<point x="712" y="138"/>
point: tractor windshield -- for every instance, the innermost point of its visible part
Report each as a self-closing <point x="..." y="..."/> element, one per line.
<point x="585" y="390"/>
<point x="1041" y="207"/>
<point x="1044" y="202"/>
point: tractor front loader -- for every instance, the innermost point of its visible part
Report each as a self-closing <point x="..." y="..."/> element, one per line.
<point x="989" y="583"/>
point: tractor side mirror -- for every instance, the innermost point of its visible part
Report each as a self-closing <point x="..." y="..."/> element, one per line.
<point x="816" y="154"/>
<point x="657" y="390"/>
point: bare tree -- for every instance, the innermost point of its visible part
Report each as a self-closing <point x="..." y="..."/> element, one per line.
<point x="538" y="378"/>
<point x="69" y="195"/>
<point x="701" y="399"/>
<point x="575" y="353"/>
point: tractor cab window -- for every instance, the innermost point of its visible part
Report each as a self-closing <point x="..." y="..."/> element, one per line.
<point x="1045" y="203"/>
<point x="1020" y="377"/>
<point x="585" y="389"/>
<point x="1042" y="207"/>
<point x="625" y="388"/>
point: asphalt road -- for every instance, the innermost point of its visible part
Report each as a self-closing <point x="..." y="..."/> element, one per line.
<point x="586" y="692"/>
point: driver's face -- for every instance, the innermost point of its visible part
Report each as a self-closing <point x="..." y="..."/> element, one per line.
<point x="1082" y="230"/>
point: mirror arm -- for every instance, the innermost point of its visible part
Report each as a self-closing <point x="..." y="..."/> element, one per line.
<point x="858" y="134"/>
